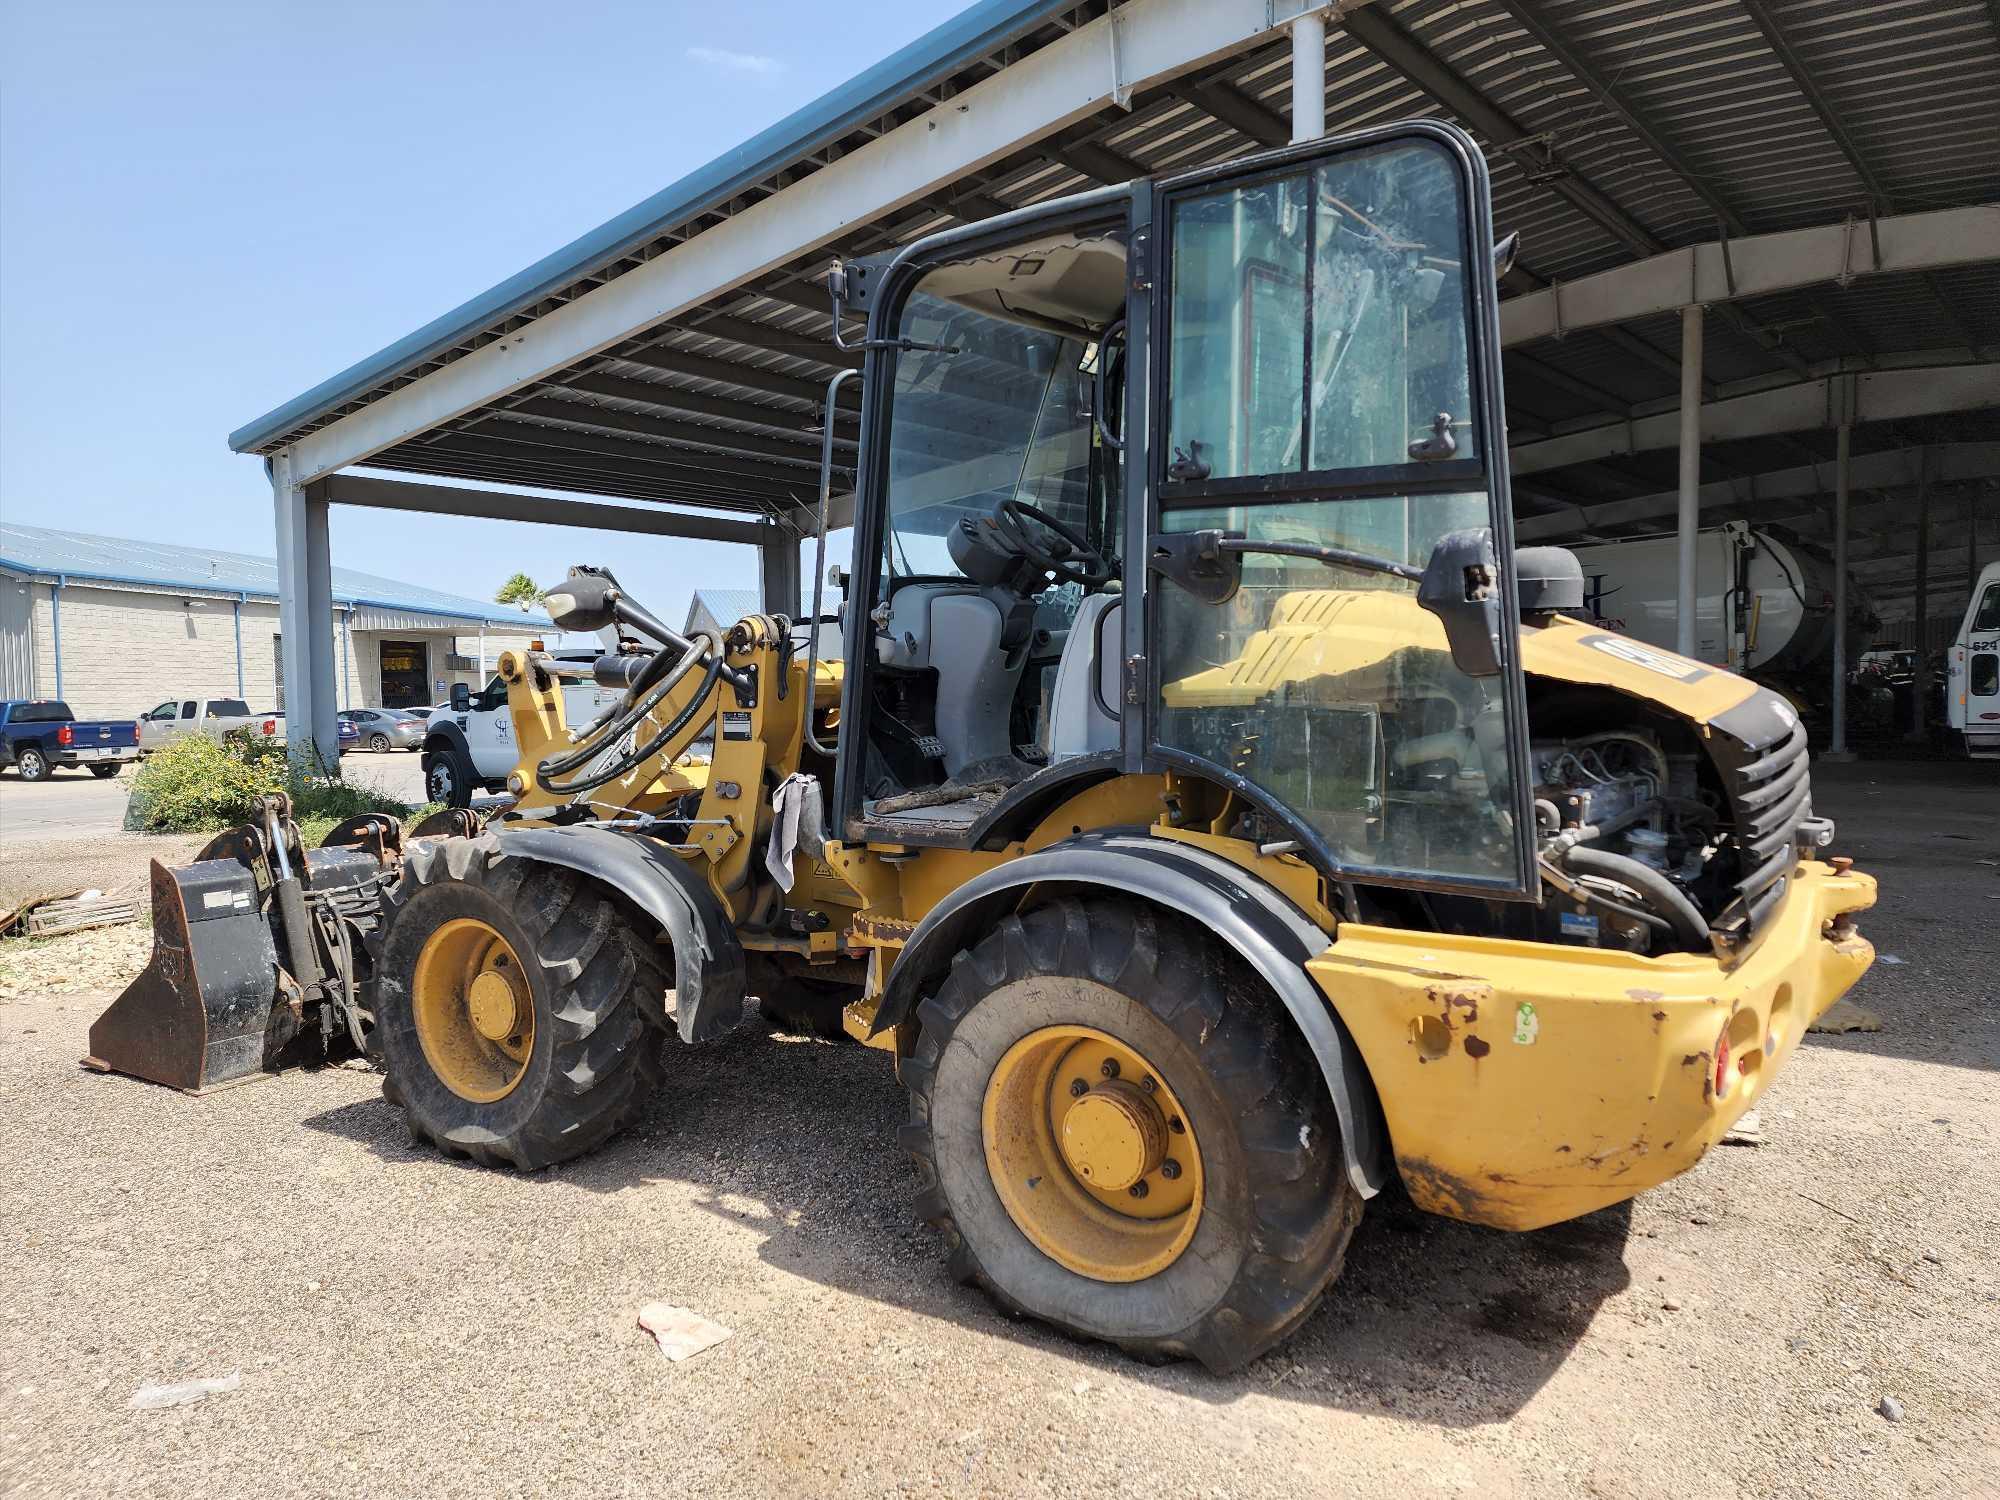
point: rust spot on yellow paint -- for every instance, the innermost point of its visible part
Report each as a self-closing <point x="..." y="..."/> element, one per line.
<point x="1474" y="1047"/>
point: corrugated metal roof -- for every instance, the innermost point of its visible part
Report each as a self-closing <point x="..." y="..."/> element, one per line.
<point x="82" y="556"/>
<point x="1614" y="129"/>
<point x="723" y="606"/>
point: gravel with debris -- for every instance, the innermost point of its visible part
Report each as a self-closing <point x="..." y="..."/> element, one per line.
<point x="403" y="1324"/>
<point x="118" y="864"/>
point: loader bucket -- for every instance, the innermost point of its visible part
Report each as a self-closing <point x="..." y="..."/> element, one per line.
<point x="207" y="1009"/>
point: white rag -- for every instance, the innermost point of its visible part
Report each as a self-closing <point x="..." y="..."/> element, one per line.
<point x="797" y="821"/>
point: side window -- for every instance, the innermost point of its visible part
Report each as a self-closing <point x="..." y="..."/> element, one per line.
<point x="1985" y="677"/>
<point x="164" y="711"/>
<point x="188" y="707"/>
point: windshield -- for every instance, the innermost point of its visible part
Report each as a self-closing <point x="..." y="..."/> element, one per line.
<point x="1988" y="617"/>
<point x="1008" y="414"/>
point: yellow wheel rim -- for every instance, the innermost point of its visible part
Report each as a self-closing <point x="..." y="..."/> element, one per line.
<point x="475" y="1015"/>
<point x="1092" y="1154"/>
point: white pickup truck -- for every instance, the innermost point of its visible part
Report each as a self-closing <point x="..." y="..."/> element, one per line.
<point x="213" y="717"/>
<point x="469" y="745"/>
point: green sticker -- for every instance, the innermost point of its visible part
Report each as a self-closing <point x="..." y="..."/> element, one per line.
<point x="1527" y="1025"/>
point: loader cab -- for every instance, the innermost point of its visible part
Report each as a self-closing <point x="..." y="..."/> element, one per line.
<point x="1120" y="455"/>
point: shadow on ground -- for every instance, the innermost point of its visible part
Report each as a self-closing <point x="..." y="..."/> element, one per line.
<point x="1433" y="1321"/>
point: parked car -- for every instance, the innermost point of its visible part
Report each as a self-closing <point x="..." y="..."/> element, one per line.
<point x="213" y="717"/>
<point x="39" y="735"/>
<point x="350" y="734"/>
<point x="384" y="729"/>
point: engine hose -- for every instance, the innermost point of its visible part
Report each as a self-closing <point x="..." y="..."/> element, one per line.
<point x="602" y="734"/>
<point x="645" y="752"/>
<point x="1660" y="894"/>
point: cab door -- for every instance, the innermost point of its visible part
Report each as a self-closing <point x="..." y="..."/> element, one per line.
<point x="1326" y="385"/>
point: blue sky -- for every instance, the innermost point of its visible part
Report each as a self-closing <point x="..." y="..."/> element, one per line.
<point x="206" y="209"/>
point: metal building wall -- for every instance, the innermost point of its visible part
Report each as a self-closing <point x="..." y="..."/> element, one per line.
<point x="17" y="638"/>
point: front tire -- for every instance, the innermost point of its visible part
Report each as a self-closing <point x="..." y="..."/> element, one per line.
<point x="512" y="1006"/>
<point x="448" y="779"/>
<point x="1218" y="1210"/>
<point x="32" y="764"/>
<point x="379" y="743"/>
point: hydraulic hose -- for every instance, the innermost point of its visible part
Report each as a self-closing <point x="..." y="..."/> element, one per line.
<point x="707" y="647"/>
<point x="1660" y="894"/>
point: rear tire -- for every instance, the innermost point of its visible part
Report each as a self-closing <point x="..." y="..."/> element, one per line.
<point x="104" y="773"/>
<point x="592" y="1056"/>
<point x="1275" y="1208"/>
<point x="32" y="764"/>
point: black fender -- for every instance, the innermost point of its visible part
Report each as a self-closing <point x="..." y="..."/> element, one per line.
<point x="446" y="736"/>
<point x="1265" y="929"/>
<point x="708" y="960"/>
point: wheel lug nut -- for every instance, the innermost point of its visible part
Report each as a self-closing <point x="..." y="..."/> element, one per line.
<point x="1139" y="1189"/>
<point x="1147" y="1083"/>
<point x="1170" y="1169"/>
<point x="1110" y="1067"/>
<point x="1176" y="1126"/>
<point x="1078" y="1088"/>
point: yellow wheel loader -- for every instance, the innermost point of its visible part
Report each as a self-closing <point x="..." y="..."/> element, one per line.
<point x="1194" y="793"/>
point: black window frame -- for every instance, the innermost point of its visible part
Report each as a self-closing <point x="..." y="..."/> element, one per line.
<point x="1485" y="471"/>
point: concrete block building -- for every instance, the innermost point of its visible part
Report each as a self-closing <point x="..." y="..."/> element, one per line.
<point x="116" y="626"/>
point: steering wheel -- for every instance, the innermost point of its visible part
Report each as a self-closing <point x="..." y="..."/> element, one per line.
<point x="1064" y="552"/>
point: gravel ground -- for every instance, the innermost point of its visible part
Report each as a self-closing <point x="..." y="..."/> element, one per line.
<point x="407" y="1325"/>
<point x="115" y="863"/>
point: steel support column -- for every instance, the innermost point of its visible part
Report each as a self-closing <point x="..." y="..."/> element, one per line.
<point x="237" y="611"/>
<point x="1923" y="641"/>
<point x="1842" y="452"/>
<point x="1309" y="76"/>
<point x="305" y="620"/>
<point x="55" y="625"/>
<point x="1688" y="515"/>
<point x="778" y="571"/>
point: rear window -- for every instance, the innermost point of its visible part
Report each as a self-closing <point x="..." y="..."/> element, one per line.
<point x="48" y="711"/>
<point x="228" y="708"/>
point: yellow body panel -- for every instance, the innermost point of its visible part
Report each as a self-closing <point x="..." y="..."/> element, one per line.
<point x="1524" y="1083"/>
<point x="1339" y="633"/>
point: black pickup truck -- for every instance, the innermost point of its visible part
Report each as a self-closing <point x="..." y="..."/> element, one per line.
<point x="37" y="735"/>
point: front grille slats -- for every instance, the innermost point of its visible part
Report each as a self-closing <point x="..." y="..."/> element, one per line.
<point x="1768" y="795"/>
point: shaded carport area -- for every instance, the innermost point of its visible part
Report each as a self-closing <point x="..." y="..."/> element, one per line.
<point x="1760" y="273"/>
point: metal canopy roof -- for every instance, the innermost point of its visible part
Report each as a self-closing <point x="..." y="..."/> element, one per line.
<point x="1616" y="130"/>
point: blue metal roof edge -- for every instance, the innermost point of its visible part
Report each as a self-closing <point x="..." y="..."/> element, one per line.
<point x="977" y="30"/>
<point x="211" y="586"/>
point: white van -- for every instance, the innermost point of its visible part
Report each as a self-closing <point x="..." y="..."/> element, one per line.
<point x="1972" y="670"/>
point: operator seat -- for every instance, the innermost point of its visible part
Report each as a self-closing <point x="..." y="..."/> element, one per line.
<point x="1078" y="725"/>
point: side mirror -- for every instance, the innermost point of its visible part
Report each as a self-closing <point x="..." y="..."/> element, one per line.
<point x="1461" y="586"/>
<point x="461" y="698"/>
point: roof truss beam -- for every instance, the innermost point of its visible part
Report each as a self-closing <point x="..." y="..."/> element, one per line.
<point x="503" y="505"/>
<point x="1754" y="267"/>
<point x="1949" y="462"/>
<point x="1878" y="396"/>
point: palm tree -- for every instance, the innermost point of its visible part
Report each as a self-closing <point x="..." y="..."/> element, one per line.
<point x="521" y="590"/>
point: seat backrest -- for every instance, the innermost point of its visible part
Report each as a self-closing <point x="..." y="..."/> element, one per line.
<point x="1077" y="724"/>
